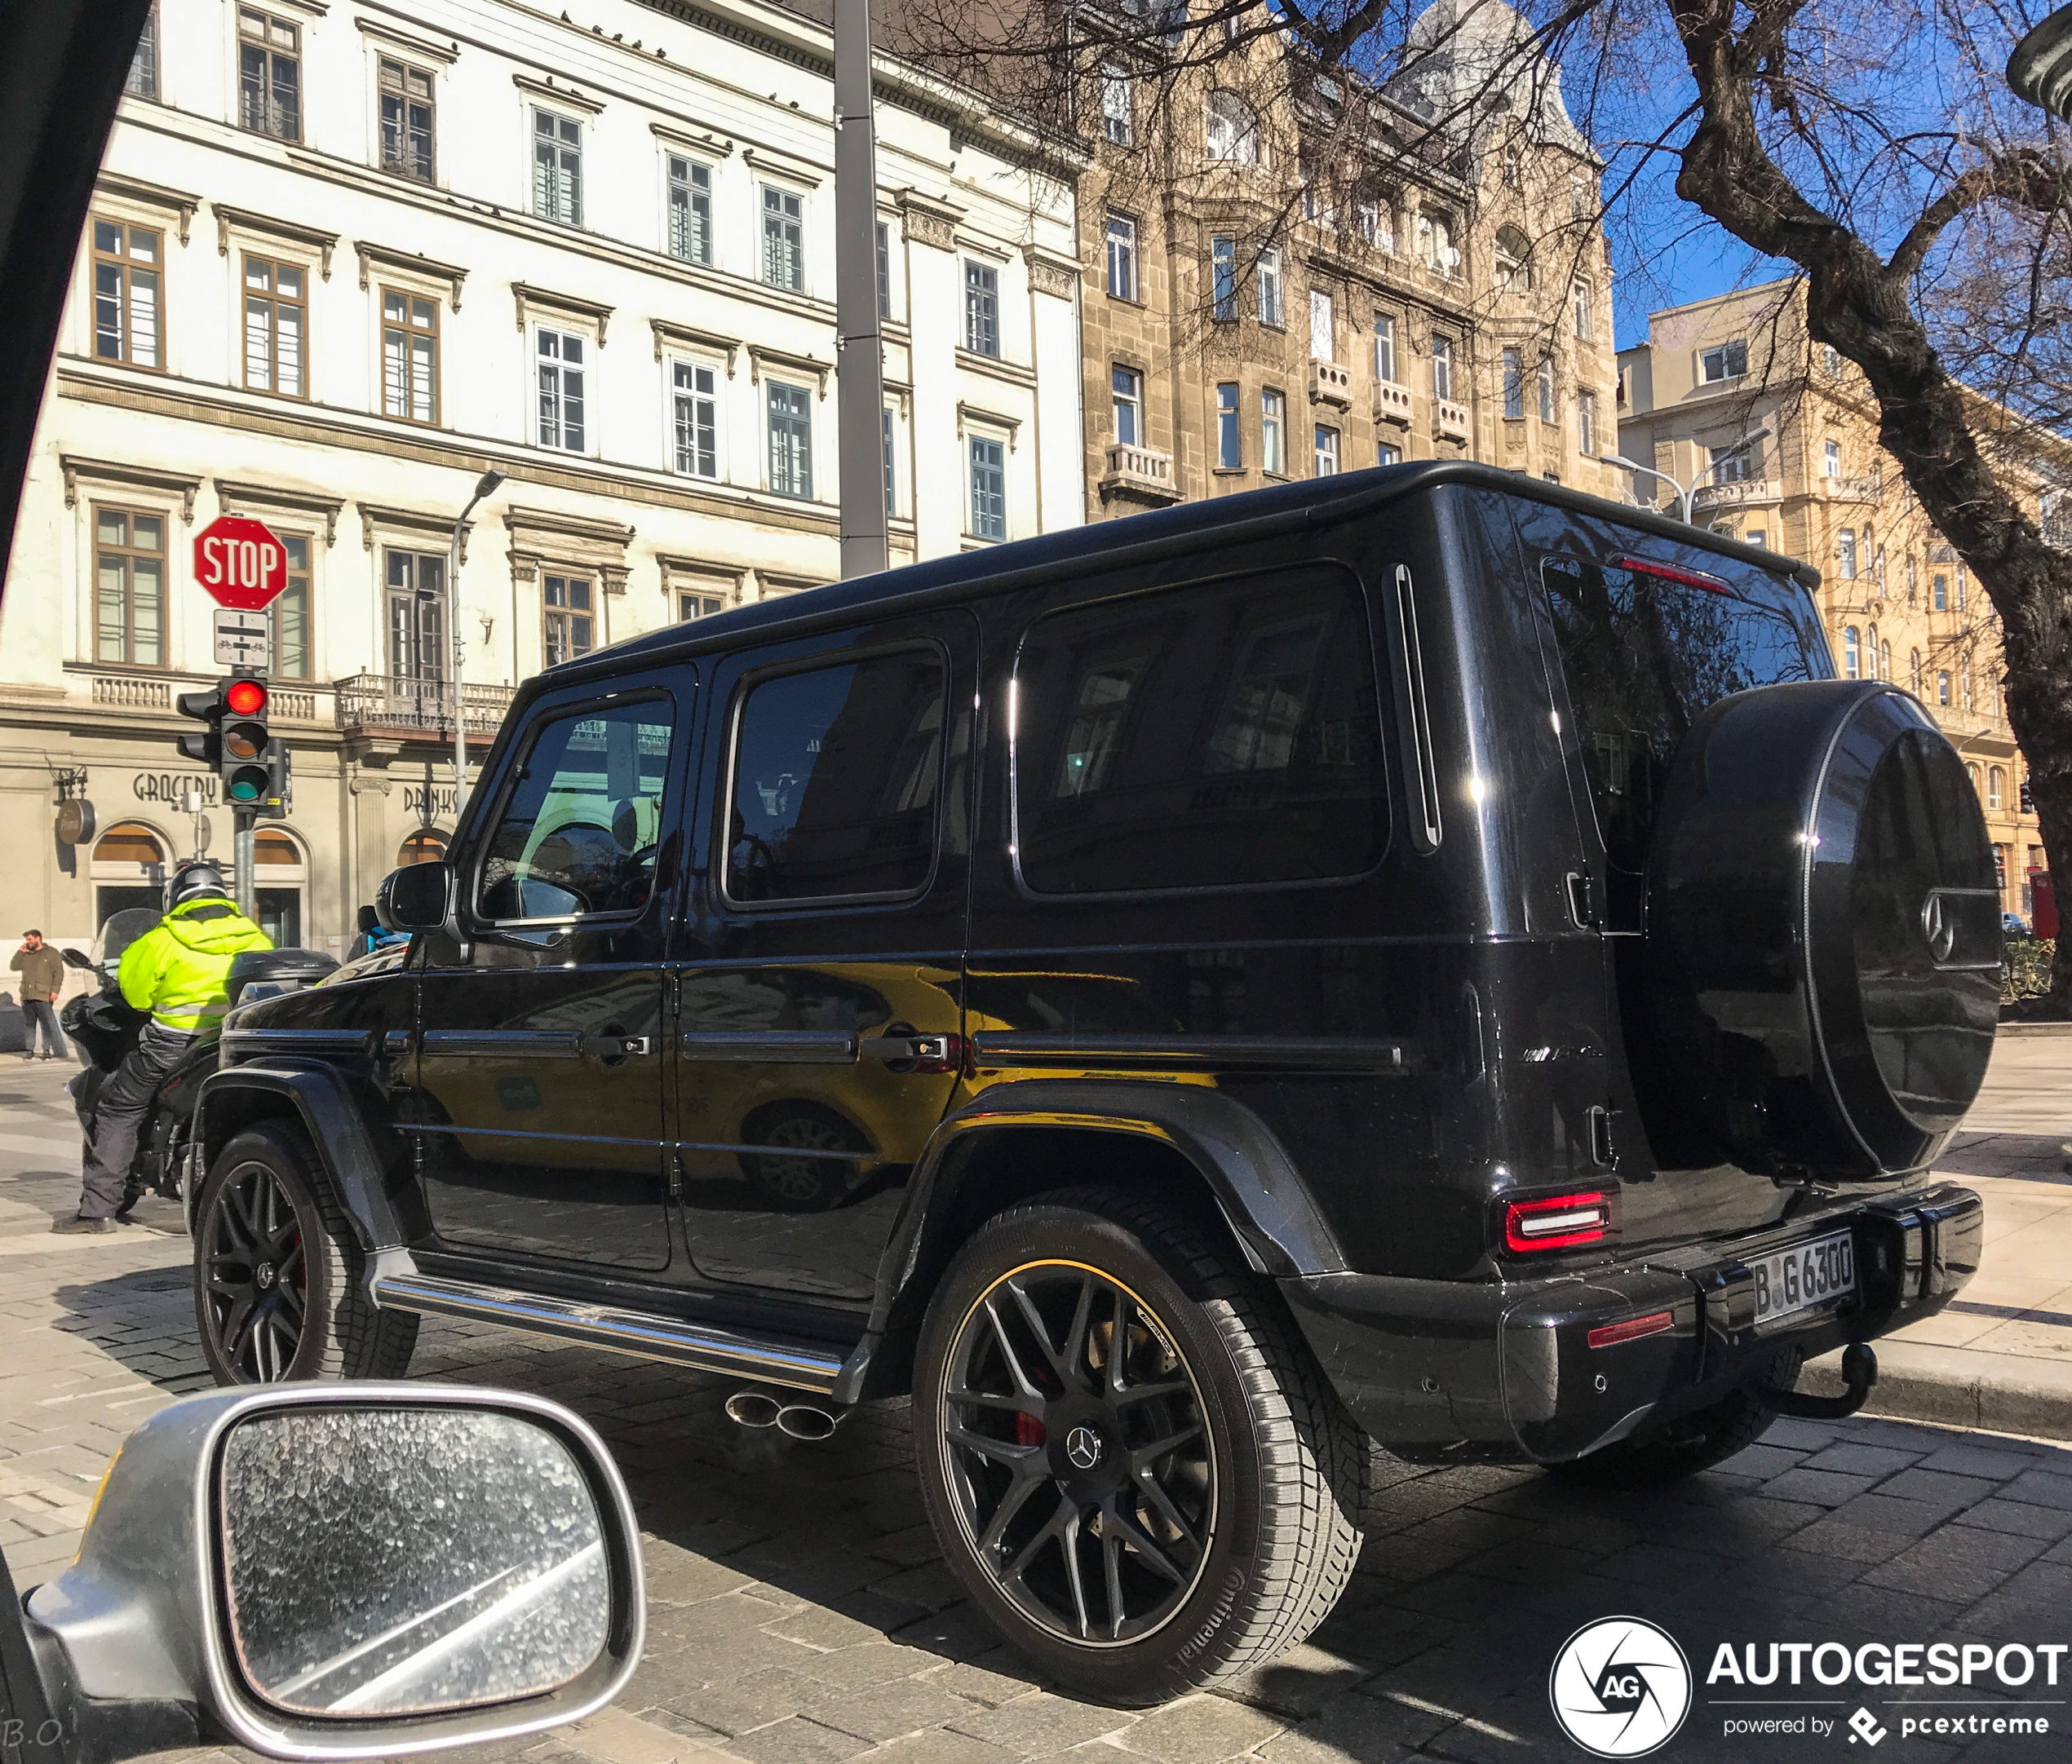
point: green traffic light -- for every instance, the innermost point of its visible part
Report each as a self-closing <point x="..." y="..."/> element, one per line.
<point x="247" y="784"/>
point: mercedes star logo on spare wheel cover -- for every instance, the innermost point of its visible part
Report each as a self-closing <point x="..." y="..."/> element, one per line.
<point x="1935" y="926"/>
<point x="1082" y="1446"/>
<point x="1621" y="1687"/>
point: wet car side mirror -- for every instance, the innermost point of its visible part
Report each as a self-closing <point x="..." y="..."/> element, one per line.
<point x="415" y="898"/>
<point x="343" y="1571"/>
<point x="76" y="958"/>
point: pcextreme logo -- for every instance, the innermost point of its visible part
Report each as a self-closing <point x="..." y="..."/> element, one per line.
<point x="1621" y="1687"/>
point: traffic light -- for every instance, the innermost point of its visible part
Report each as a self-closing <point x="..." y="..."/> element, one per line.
<point x="280" y="787"/>
<point x="242" y="761"/>
<point x="2027" y="795"/>
<point x="206" y="747"/>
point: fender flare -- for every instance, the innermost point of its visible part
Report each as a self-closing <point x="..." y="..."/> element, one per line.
<point x="1256" y="1187"/>
<point x="322" y="1099"/>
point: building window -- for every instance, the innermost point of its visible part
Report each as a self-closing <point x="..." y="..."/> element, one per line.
<point x="1885" y="660"/>
<point x="1586" y="423"/>
<point x="1914" y="663"/>
<point x="1845" y="553"/>
<point x="557" y="168"/>
<point x="1851" y="654"/>
<point x="1223" y="268"/>
<point x="1514" y="263"/>
<point x="1963" y="594"/>
<point x="989" y="488"/>
<point x="129" y="321"/>
<point x="410" y="356"/>
<point x="275" y="321"/>
<point x="1728" y="361"/>
<point x="884" y="271"/>
<point x="1442" y="368"/>
<point x="1435" y="245"/>
<point x="1831" y="460"/>
<point x="559" y="366"/>
<point x="1273" y="428"/>
<point x="405" y="120"/>
<point x="1513" y="169"/>
<point x="1830" y="359"/>
<point x="1122" y="257"/>
<point x="982" y="308"/>
<point x="1939" y="592"/>
<point x="1579" y="306"/>
<point x="1754" y="536"/>
<point x="1996" y="787"/>
<point x="1546" y="412"/>
<point x="129" y="587"/>
<point x="784" y="238"/>
<point x="1326" y="452"/>
<point x="1323" y="329"/>
<point x="1870" y="653"/>
<point x="1126" y="386"/>
<point x="269" y="75"/>
<point x="1729" y="464"/>
<point x="569" y="604"/>
<point x="1378" y="227"/>
<point x="891" y="498"/>
<point x="1965" y="683"/>
<point x="1116" y="122"/>
<point x="1388" y="454"/>
<point x="1943" y="687"/>
<point x="1229" y="439"/>
<point x="1514" y="386"/>
<point x="1270" y="312"/>
<point x="1233" y="129"/>
<point x="142" y="81"/>
<point x="1385" y="347"/>
<point x="791" y="440"/>
<point x="696" y="399"/>
<point x="291" y="610"/>
<point x="417" y="584"/>
<point x="697" y="606"/>
<point x="690" y="211"/>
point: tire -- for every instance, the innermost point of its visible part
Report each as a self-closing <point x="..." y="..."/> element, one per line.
<point x="802" y="1184"/>
<point x="279" y="1279"/>
<point x="1253" y="1511"/>
<point x="1680" y="1450"/>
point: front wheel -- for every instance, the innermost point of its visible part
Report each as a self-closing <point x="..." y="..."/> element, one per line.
<point x="278" y="1287"/>
<point x="1129" y="1457"/>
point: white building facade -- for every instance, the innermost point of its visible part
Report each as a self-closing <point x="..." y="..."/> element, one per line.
<point x="345" y="257"/>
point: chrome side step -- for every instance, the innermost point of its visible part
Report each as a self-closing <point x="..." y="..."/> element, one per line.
<point x="800" y="1365"/>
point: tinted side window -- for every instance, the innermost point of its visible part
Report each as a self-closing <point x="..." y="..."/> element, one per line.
<point x="578" y="834"/>
<point x="1644" y="655"/>
<point x="1204" y="737"/>
<point x="838" y="773"/>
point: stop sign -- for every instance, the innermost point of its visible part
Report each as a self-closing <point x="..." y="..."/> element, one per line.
<point x="240" y="563"/>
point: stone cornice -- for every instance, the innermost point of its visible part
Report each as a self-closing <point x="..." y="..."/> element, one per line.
<point x="410" y="264"/>
<point x="566" y="306"/>
<point x="121" y="472"/>
<point x="182" y="203"/>
<point x="244" y="220"/>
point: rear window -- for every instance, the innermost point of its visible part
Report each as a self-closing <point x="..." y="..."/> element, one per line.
<point x="1644" y="654"/>
<point x="1215" y="737"/>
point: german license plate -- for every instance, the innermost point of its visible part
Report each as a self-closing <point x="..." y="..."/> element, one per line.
<point x="1804" y="1276"/>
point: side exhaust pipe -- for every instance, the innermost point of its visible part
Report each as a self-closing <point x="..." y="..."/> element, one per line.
<point x="796" y="1421"/>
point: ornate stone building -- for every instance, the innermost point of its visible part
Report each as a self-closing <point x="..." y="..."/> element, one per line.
<point x="1776" y="439"/>
<point x="1287" y="275"/>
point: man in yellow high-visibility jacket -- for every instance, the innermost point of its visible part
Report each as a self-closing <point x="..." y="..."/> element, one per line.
<point x="175" y="970"/>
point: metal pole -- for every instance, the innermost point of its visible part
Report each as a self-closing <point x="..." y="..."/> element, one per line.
<point x="242" y="823"/>
<point x="860" y="457"/>
<point x="452" y="638"/>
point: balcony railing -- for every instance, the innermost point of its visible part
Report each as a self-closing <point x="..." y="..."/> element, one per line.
<point x="1330" y="384"/>
<point x="1449" y="419"/>
<point x="1856" y="489"/>
<point x="1745" y="492"/>
<point x="1392" y="403"/>
<point x="399" y="706"/>
<point x="1140" y="474"/>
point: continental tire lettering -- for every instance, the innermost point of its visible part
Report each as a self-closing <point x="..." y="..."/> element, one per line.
<point x="1233" y="1584"/>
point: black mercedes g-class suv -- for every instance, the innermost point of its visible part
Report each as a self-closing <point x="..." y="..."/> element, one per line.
<point x="1425" y="953"/>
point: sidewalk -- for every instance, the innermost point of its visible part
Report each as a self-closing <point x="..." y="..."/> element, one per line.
<point x="1999" y="1357"/>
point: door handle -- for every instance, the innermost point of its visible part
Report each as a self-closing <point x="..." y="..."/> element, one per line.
<point x="912" y="1052"/>
<point x="612" y="1046"/>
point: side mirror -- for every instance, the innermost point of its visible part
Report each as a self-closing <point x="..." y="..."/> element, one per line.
<point x="415" y="898"/>
<point x="76" y="958"/>
<point x="344" y="1571"/>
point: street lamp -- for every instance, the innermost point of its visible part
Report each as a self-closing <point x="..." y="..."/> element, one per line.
<point x="485" y="486"/>
<point x="1683" y="496"/>
<point x="2040" y="68"/>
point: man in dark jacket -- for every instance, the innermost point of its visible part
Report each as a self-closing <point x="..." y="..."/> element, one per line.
<point x="42" y="970"/>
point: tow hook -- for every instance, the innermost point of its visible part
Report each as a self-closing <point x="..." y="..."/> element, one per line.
<point x="1859" y="1373"/>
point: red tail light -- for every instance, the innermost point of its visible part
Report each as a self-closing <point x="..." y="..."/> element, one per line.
<point x="1559" y="1221"/>
<point x="1611" y="1334"/>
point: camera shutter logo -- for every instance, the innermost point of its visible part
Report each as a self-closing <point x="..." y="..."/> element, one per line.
<point x="1620" y="1687"/>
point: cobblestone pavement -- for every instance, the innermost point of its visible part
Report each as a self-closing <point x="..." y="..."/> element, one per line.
<point x="799" y="1613"/>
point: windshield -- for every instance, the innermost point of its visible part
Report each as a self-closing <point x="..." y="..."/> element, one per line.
<point x="1644" y="654"/>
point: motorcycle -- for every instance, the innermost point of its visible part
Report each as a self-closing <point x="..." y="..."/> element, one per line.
<point x="104" y="1026"/>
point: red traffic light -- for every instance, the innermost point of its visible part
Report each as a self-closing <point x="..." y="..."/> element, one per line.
<point x="247" y="698"/>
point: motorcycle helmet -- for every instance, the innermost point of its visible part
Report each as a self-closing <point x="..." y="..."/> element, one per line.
<point x="195" y="880"/>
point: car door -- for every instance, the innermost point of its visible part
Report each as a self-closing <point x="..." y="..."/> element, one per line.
<point x="820" y="1005"/>
<point x="539" y="1105"/>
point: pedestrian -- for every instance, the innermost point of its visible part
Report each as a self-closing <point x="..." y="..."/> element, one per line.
<point x="42" y="970"/>
<point x="175" y="970"/>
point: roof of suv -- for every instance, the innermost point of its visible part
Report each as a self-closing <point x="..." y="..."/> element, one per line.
<point x="1141" y="537"/>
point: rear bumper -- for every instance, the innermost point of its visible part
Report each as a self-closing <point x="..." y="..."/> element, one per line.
<point x="1506" y="1370"/>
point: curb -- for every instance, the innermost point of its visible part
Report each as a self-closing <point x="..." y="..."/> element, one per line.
<point x="2035" y="1028"/>
<point x="1959" y="1387"/>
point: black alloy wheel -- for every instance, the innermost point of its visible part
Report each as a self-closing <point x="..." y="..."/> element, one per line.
<point x="256" y="1275"/>
<point x="1083" y="1475"/>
